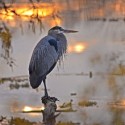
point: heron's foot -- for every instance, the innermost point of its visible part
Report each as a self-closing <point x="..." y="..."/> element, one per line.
<point x="45" y="99"/>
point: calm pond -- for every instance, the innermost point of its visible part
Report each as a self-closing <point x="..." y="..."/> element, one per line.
<point x="97" y="47"/>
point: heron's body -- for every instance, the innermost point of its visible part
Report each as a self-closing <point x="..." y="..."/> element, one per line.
<point x="45" y="56"/>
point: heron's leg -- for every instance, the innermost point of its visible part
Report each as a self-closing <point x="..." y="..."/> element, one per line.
<point x="45" y="89"/>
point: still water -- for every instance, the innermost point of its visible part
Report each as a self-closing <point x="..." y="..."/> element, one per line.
<point x="97" y="47"/>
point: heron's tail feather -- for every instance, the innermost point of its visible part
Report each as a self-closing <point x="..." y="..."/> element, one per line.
<point x="35" y="80"/>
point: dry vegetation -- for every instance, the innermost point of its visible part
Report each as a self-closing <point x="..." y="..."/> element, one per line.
<point x="22" y="121"/>
<point x="87" y="103"/>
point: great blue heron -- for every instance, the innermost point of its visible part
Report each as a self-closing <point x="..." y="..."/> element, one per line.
<point x="46" y="54"/>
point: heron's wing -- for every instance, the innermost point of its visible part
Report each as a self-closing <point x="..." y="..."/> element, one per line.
<point x="43" y="58"/>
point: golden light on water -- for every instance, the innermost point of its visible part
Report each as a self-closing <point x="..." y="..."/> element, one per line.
<point x="25" y="14"/>
<point x="77" y="48"/>
<point x="27" y="108"/>
<point x="25" y="11"/>
<point x="42" y="108"/>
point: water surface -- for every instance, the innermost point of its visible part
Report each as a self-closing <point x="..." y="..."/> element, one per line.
<point x="97" y="47"/>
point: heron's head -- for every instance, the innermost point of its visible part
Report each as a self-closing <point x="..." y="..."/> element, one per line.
<point x="58" y="30"/>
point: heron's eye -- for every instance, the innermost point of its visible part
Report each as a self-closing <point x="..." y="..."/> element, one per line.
<point x="60" y="28"/>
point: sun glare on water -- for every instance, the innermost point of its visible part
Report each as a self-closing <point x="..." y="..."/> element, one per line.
<point x="27" y="108"/>
<point x="25" y="12"/>
<point x="77" y="48"/>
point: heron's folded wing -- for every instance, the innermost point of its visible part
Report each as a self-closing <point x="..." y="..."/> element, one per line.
<point x="42" y="61"/>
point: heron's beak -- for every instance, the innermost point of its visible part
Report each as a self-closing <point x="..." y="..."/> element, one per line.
<point x="69" y="31"/>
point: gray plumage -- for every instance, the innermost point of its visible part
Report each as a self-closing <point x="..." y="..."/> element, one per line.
<point x="46" y="54"/>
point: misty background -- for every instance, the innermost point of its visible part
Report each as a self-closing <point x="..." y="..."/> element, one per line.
<point x="97" y="47"/>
